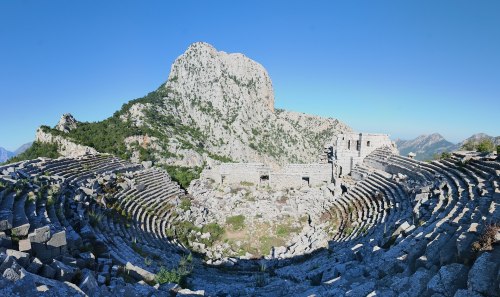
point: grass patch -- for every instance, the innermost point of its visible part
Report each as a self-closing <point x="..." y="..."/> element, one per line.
<point x="236" y="222"/>
<point x="247" y="184"/>
<point x="284" y="230"/>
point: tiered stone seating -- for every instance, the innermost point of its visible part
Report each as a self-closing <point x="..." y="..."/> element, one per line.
<point x="405" y="228"/>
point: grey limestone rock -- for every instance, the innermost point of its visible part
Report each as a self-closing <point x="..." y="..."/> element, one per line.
<point x="483" y="275"/>
<point x="448" y="280"/>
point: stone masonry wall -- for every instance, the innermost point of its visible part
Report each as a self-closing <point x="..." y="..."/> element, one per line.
<point x="351" y="148"/>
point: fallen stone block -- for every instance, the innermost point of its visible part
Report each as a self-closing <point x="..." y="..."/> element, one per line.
<point x="11" y="275"/>
<point x="448" y="280"/>
<point x="24" y="245"/>
<point x="483" y="275"/>
<point x="88" y="284"/>
<point x="63" y="272"/>
<point x="47" y="271"/>
<point x="35" y="266"/>
<point x="139" y="273"/>
<point x="21" y="257"/>
<point x="57" y="240"/>
<point x="40" y="235"/>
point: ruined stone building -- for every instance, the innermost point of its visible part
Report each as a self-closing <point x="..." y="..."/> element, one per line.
<point x="351" y="149"/>
<point x="337" y="161"/>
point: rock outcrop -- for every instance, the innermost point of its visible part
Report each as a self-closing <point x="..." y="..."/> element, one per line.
<point x="66" y="147"/>
<point x="220" y="105"/>
<point x="66" y="123"/>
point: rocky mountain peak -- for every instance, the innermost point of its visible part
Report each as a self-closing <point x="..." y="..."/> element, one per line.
<point x="214" y="105"/>
<point x="66" y="123"/>
<point x="227" y="83"/>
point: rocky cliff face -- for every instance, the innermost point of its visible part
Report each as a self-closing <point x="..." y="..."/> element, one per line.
<point x="218" y="105"/>
<point x="230" y="99"/>
<point x="67" y="148"/>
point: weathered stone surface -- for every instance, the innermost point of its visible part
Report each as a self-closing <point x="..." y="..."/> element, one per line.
<point x="57" y="240"/>
<point x="89" y="284"/>
<point x="41" y="235"/>
<point x="48" y="271"/>
<point x="8" y="262"/>
<point x="483" y="275"/>
<point x="11" y="275"/>
<point x="63" y="272"/>
<point x="34" y="266"/>
<point x="21" y="257"/>
<point x="448" y="280"/>
<point x="24" y="245"/>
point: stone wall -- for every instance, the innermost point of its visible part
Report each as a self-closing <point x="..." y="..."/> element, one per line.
<point x="290" y="176"/>
<point x="350" y="149"/>
<point x="346" y="152"/>
<point x="236" y="173"/>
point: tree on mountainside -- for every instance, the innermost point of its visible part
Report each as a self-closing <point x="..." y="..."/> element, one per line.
<point x="483" y="146"/>
<point x="486" y="145"/>
<point x="37" y="149"/>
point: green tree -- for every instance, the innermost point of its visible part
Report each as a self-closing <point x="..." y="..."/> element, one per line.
<point x="37" y="149"/>
<point x="469" y="146"/>
<point x="485" y="145"/>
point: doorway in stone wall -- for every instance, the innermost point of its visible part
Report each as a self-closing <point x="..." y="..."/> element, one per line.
<point x="305" y="181"/>
<point x="264" y="180"/>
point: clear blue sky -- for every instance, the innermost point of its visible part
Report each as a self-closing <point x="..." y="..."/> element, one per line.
<point x="399" y="67"/>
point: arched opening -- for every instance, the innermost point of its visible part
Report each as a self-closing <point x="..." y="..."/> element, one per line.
<point x="305" y="181"/>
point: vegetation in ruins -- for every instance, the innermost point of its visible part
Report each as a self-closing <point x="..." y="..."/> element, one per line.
<point x="487" y="238"/>
<point x="237" y="222"/>
<point x="443" y="155"/>
<point x="185" y="204"/>
<point x="95" y="218"/>
<point x="37" y="149"/>
<point x="183" y="175"/>
<point x="176" y="275"/>
<point x="185" y="232"/>
<point x="246" y="184"/>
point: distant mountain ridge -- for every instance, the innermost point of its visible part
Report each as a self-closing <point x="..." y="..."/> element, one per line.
<point x="5" y="154"/>
<point x="427" y="146"/>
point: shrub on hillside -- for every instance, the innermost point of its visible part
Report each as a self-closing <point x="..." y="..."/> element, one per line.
<point x="37" y="149"/>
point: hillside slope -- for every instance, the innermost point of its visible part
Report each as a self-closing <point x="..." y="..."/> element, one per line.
<point x="428" y="146"/>
<point x="213" y="105"/>
<point x="5" y="154"/>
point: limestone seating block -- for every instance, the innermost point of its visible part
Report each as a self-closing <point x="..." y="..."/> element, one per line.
<point x="63" y="272"/>
<point x="57" y="240"/>
<point x="6" y="219"/>
<point x="24" y="245"/>
<point x="21" y="257"/>
<point x="35" y="266"/>
<point x="40" y="235"/>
